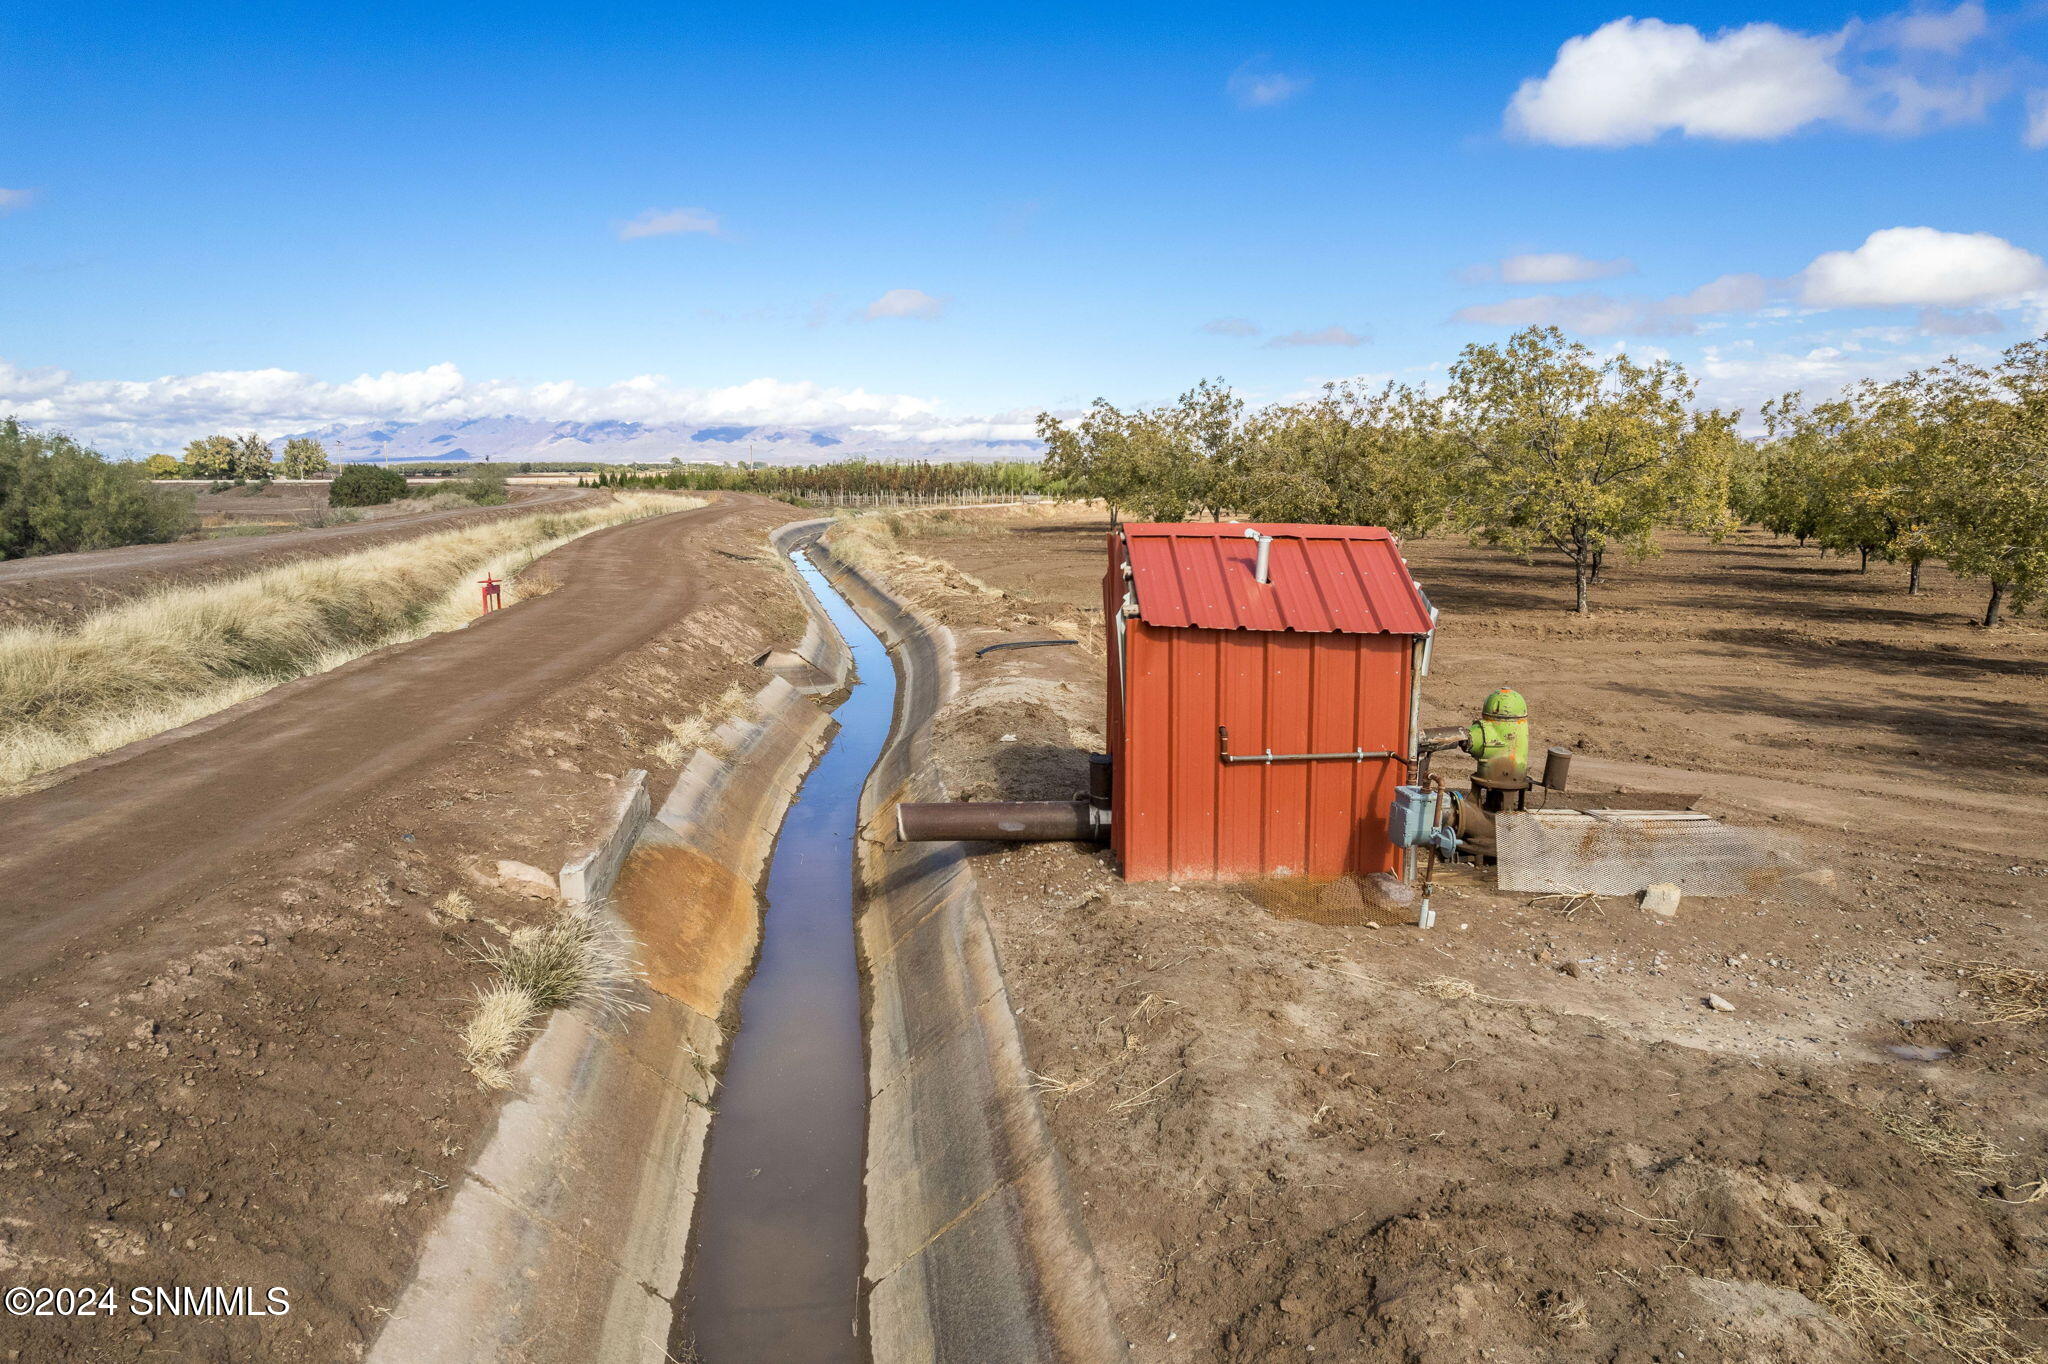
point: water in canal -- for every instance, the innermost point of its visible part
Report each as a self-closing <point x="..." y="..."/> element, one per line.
<point x="776" y="1254"/>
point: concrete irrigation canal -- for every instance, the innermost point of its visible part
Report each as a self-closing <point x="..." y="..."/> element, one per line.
<point x="839" y="1156"/>
<point x="775" y="1262"/>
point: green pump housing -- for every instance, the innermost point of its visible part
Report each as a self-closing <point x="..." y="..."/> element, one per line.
<point x="1500" y="741"/>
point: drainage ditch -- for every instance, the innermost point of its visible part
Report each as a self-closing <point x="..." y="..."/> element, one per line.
<point x="775" y="1262"/>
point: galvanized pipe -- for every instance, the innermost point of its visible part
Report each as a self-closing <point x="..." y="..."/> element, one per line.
<point x="1001" y="821"/>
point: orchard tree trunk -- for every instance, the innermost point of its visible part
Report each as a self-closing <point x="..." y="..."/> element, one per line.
<point x="1863" y="565"/>
<point x="1913" y="580"/>
<point x="1599" y="563"/>
<point x="1581" y="580"/>
<point x="1996" y="605"/>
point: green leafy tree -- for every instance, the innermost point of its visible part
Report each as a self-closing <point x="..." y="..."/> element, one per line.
<point x="365" y="485"/>
<point x="1167" y="463"/>
<point x="253" y="459"/>
<point x="1582" y="455"/>
<point x="485" y="486"/>
<point x="1355" y="456"/>
<point x="162" y="466"/>
<point x="1988" y="446"/>
<point x="57" y="496"/>
<point x="211" y="457"/>
<point x="303" y="458"/>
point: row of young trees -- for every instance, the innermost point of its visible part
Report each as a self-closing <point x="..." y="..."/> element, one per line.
<point x="1536" y="444"/>
<point x="1948" y="463"/>
<point x="1539" y="444"/>
<point x="854" y="477"/>
<point x="247" y="458"/>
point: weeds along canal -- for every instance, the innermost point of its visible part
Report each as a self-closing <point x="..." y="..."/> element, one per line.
<point x="775" y="1260"/>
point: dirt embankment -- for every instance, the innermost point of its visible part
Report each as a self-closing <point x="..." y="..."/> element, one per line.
<point x="61" y="589"/>
<point x="1522" y="1136"/>
<point x="232" y="1021"/>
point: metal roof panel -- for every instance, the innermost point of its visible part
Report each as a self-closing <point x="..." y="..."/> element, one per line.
<point x="1323" y="579"/>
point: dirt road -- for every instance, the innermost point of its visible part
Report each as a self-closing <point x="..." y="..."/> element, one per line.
<point x="57" y="588"/>
<point x="237" y="957"/>
<point x="126" y="830"/>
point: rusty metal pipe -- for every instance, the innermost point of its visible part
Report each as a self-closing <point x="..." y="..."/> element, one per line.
<point x="1001" y="821"/>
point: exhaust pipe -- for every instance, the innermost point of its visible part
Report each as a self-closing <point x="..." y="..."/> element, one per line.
<point x="1002" y="821"/>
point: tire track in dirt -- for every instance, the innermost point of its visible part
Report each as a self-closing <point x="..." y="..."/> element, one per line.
<point x="125" y="832"/>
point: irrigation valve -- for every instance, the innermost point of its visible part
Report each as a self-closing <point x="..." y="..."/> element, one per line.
<point x="494" y="592"/>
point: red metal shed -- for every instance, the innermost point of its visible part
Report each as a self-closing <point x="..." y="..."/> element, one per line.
<point x="1258" y="728"/>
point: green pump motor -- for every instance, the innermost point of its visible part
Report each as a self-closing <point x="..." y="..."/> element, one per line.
<point x="1499" y="742"/>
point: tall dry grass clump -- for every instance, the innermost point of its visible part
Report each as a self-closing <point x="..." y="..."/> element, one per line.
<point x="153" y="664"/>
<point x="580" y="961"/>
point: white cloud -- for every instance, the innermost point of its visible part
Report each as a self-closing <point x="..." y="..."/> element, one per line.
<point x="1743" y="376"/>
<point x="1935" y="30"/>
<point x="14" y="200"/>
<point x="1935" y="322"/>
<point x="144" y="413"/>
<point x="668" y="222"/>
<point x="1632" y="79"/>
<point x="1256" y="85"/>
<point x="1597" y="314"/>
<point x="1231" y="326"/>
<point x="2036" y="135"/>
<point x="1332" y="335"/>
<point x="906" y="303"/>
<point x="1547" y="267"/>
<point x="1903" y="266"/>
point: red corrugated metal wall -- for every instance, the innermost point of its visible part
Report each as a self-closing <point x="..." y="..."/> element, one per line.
<point x="1184" y="814"/>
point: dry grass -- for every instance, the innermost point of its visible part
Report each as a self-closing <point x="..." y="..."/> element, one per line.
<point x="1956" y="1149"/>
<point x="580" y="961"/>
<point x="1448" y="988"/>
<point x="697" y="731"/>
<point x="2011" y="994"/>
<point x="870" y="543"/>
<point x="1913" y="1316"/>
<point x="152" y="664"/>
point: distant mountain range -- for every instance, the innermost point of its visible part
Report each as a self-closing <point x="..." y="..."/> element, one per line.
<point x="508" y="440"/>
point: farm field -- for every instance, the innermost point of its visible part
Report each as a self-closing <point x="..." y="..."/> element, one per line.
<point x="1522" y="1135"/>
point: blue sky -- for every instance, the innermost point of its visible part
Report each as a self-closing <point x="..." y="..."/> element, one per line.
<point x="944" y="220"/>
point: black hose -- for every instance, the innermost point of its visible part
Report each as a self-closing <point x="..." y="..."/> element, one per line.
<point x="1022" y="644"/>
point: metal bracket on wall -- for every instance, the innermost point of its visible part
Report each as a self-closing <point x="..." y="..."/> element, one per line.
<point x="1356" y="755"/>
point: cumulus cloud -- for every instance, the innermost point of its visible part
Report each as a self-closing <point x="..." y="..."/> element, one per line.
<point x="669" y="222"/>
<point x="1256" y="85"/>
<point x="1597" y="314"/>
<point x="1332" y="335"/>
<point x="906" y="303"/>
<point x="1904" y="266"/>
<point x="1631" y="81"/>
<point x="1231" y="326"/>
<point x="14" y="200"/>
<point x="1746" y="376"/>
<point x="1547" y="267"/>
<point x="143" y="413"/>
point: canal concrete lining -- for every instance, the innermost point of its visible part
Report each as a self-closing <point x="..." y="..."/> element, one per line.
<point x="976" y="1252"/>
<point x="567" y="1237"/>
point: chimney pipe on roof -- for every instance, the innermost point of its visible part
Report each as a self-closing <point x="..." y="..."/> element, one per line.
<point x="1264" y="572"/>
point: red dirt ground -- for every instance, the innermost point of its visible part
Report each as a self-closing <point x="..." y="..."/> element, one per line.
<point x="1523" y="1137"/>
<point x="232" y="981"/>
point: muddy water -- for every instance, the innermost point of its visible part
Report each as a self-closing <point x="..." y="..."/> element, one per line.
<point x="776" y="1254"/>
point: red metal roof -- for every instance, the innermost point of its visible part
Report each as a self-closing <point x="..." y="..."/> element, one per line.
<point x="1323" y="579"/>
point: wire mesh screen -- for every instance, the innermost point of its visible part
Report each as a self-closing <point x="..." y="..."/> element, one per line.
<point x="1619" y="852"/>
